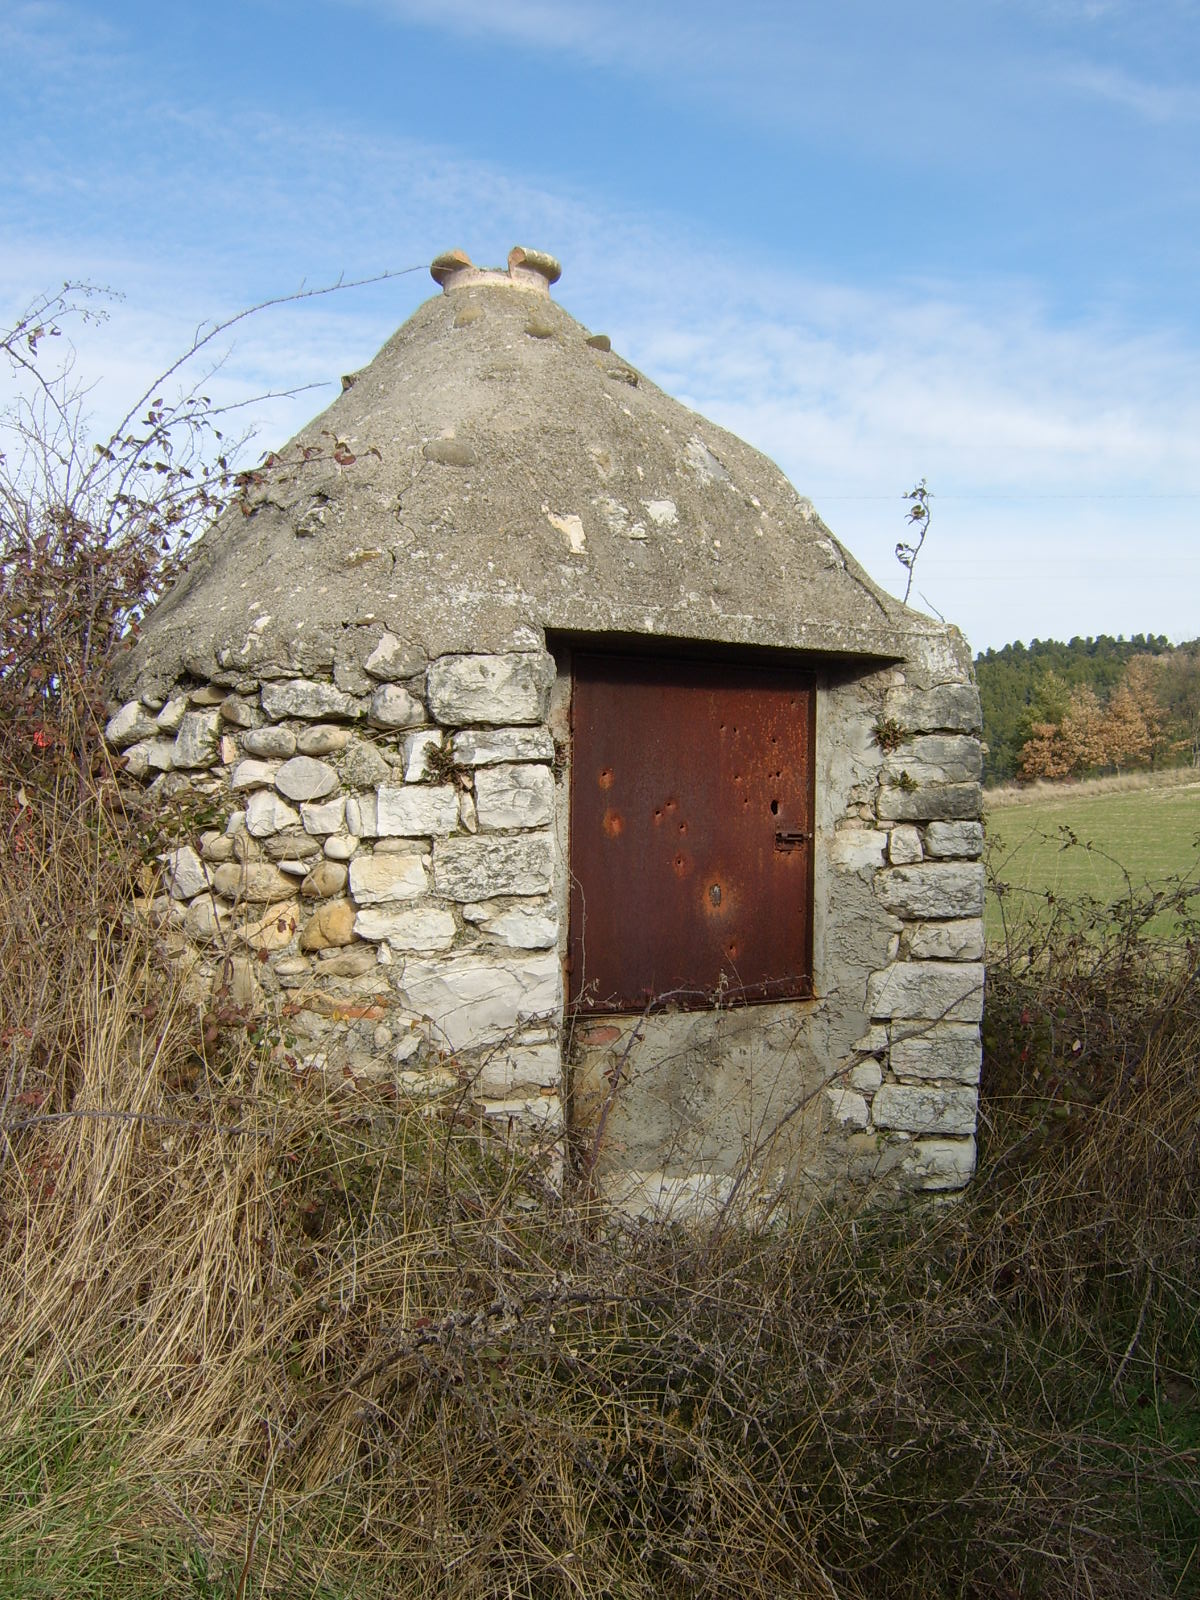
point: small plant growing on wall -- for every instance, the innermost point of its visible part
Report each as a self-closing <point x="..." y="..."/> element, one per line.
<point x="888" y="734"/>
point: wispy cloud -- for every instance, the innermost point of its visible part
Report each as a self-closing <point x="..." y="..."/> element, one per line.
<point x="1153" y="102"/>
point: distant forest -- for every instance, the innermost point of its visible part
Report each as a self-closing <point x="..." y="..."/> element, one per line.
<point x="1053" y="710"/>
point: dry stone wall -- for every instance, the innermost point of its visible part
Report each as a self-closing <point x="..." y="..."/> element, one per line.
<point x="383" y="881"/>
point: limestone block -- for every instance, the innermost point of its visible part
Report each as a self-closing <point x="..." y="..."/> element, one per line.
<point x="479" y="867"/>
<point x="307" y="698"/>
<point x="305" y="779"/>
<point x="393" y="707"/>
<point x="481" y="747"/>
<point x="939" y="1050"/>
<point x="412" y="928"/>
<point x="937" y="758"/>
<point x="927" y="989"/>
<point x="532" y="927"/>
<point x="291" y="846"/>
<point x="376" y="879"/>
<point x="932" y="889"/>
<point x="858" y="849"/>
<point x="196" y="741"/>
<point x="866" y="1077"/>
<point x="131" y="725"/>
<point x="331" y="924"/>
<point x="185" y="876"/>
<point x="325" y="879"/>
<point x="517" y="1066"/>
<point x="273" y="928"/>
<point x="930" y="800"/>
<point x="239" y="713"/>
<point x="875" y="1041"/>
<point x="489" y="689"/>
<point x="353" y="961"/>
<point x="362" y="766"/>
<point x="415" y="749"/>
<point x="904" y="846"/>
<point x="539" y="1113"/>
<point x="272" y="744"/>
<point x="253" y="775"/>
<point x="510" y="795"/>
<point x="266" y="813"/>
<point x="479" y="999"/>
<point x="324" y="740"/>
<point x="468" y="816"/>
<point x="941" y="1163"/>
<point x="150" y="755"/>
<point x="251" y="880"/>
<point x="206" y="920"/>
<point x="328" y="817"/>
<point x="340" y="847"/>
<point x="393" y="658"/>
<point x="913" y="1109"/>
<point x="954" y="839"/>
<point x="417" y="810"/>
<point x="961" y="940"/>
<point x="847" y="1107"/>
<point x="952" y="707"/>
<point x="361" y="815"/>
<point x="172" y="714"/>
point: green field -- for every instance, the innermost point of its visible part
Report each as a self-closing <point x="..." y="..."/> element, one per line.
<point x="1150" y="834"/>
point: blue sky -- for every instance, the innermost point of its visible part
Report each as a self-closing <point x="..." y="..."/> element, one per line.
<point x="953" y="239"/>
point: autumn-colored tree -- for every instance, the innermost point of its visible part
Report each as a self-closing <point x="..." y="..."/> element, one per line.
<point x="1044" y="755"/>
<point x="1085" y="731"/>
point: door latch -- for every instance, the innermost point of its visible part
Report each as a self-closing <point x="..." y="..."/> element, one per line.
<point x="791" y="838"/>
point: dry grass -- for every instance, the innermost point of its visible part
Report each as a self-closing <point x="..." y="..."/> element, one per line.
<point x="1043" y="791"/>
<point x="257" y="1339"/>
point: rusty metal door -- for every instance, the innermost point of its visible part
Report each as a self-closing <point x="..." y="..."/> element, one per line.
<point x="691" y="832"/>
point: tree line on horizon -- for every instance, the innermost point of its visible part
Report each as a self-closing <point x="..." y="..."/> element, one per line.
<point x="1089" y="706"/>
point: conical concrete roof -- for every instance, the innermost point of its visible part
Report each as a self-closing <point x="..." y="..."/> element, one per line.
<point x="496" y="472"/>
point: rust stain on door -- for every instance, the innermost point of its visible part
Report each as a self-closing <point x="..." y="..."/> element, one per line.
<point x="704" y="891"/>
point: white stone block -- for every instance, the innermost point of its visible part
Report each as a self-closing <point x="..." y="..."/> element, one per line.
<point x="420" y="928"/>
<point x="418" y="810"/>
<point x="172" y="714"/>
<point x="489" y="689"/>
<point x="941" y="1163"/>
<point x="303" y="697"/>
<point x="933" y="889"/>
<point x="519" y="1066"/>
<point x="946" y="1050"/>
<point x="304" y="778"/>
<point x="960" y="940"/>
<point x="131" y="725"/>
<point x="266" y="813"/>
<point x="197" y="739"/>
<point x="936" y="758"/>
<point x="361" y="812"/>
<point x="866" y="1077"/>
<point x="904" y="846"/>
<point x="252" y="774"/>
<point x="481" y="747"/>
<point x="185" y="874"/>
<point x="391" y="658"/>
<point x="415" y="749"/>
<point x="952" y="708"/>
<point x="393" y="707"/>
<point x="480" y="999"/>
<point x="523" y="927"/>
<point x="858" y="849"/>
<point x="375" y="880"/>
<point x="918" y="1109"/>
<point x="847" y="1107"/>
<point x="511" y="795"/>
<point x="927" y="989"/>
<point x="963" y="839"/>
<point x="328" y="817"/>
<point x="484" y="866"/>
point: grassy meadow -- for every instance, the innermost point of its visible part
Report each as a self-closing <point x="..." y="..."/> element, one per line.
<point x="1090" y="844"/>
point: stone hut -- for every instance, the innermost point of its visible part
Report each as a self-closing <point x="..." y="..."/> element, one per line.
<point x="564" y="761"/>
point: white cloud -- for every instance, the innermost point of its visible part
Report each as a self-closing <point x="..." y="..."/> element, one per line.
<point x="1153" y="102"/>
